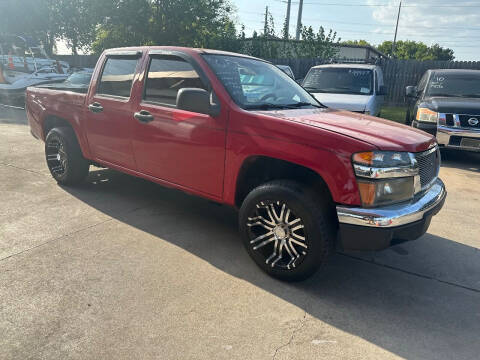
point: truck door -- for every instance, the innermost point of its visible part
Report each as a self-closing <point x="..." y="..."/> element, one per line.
<point x="110" y="110"/>
<point x="181" y="147"/>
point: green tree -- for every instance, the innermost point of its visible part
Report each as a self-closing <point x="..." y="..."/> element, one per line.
<point x="197" y="23"/>
<point x="416" y="50"/>
<point x="30" y="18"/>
<point x="76" y="21"/>
<point x="356" y="42"/>
<point x="321" y="45"/>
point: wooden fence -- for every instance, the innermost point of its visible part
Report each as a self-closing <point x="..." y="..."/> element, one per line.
<point x="397" y="73"/>
<point x="78" y="61"/>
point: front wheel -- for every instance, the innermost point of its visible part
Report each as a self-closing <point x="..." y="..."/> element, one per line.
<point x="286" y="229"/>
<point x="64" y="157"/>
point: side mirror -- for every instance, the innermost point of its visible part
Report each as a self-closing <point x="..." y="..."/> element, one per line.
<point x="197" y="100"/>
<point x="411" y="91"/>
<point x="382" y="90"/>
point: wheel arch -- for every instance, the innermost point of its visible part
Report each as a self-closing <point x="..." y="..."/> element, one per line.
<point x="259" y="169"/>
<point x="53" y="121"/>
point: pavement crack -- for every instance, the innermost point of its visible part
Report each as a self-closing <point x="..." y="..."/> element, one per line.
<point x="74" y="232"/>
<point x="410" y="272"/>
<point x="55" y="239"/>
<point x="302" y="324"/>
<point x="20" y="168"/>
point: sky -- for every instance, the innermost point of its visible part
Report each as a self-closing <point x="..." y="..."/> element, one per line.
<point x="451" y="23"/>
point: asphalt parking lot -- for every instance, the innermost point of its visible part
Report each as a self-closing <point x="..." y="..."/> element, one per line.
<point x="121" y="268"/>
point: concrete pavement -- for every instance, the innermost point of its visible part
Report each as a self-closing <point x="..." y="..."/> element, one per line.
<point x="121" y="268"/>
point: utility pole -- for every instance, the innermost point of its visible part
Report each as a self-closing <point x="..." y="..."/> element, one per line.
<point x="299" y="20"/>
<point x="396" y="30"/>
<point x="287" y="20"/>
<point x="265" y="27"/>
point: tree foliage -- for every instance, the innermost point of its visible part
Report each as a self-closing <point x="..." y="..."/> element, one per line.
<point x="356" y="42"/>
<point x="312" y="44"/>
<point x="197" y="23"/>
<point x="416" y="50"/>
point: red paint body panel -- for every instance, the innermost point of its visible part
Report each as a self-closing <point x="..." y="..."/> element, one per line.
<point x="204" y="155"/>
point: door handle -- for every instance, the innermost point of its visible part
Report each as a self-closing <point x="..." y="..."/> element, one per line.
<point x="143" y="116"/>
<point x="95" y="107"/>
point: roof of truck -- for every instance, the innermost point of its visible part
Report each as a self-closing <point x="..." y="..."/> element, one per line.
<point x="181" y="49"/>
<point x="456" y="71"/>
<point x="349" y="65"/>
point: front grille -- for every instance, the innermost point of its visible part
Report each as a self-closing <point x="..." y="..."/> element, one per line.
<point x="449" y="120"/>
<point x="464" y="121"/>
<point x="428" y="166"/>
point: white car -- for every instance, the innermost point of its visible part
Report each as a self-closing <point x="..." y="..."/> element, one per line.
<point x="353" y="87"/>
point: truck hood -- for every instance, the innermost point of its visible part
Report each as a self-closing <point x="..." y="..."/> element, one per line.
<point x="343" y="101"/>
<point x="453" y="105"/>
<point x="381" y="133"/>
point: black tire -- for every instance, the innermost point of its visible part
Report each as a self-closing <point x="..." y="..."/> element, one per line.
<point x="318" y="230"/>
<point x="64" y="157"/>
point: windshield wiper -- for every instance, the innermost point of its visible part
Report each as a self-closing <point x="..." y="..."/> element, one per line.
<point x="264" y="106"/>
<point x="300" y="104"/>
<point x="267" y="106"/>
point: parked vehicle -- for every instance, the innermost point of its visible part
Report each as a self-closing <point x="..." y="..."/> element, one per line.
<point x="79" y="81"/>
<point x="354" y="87"/>
<point x="20" y="55"/>
<point x="446" y="104"/>
<point x="287" y="70"/>
<point x="305" y="178"/>
<point x="23" y="63"/>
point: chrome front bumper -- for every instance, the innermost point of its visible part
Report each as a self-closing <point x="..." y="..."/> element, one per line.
<point x="444" y="133"/>
<point x="394" y="215"/>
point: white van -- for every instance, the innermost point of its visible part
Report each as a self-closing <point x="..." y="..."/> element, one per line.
<point x="353" y="87"/>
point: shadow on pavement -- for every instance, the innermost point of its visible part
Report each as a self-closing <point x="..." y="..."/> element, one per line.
<point x="410" y="313"/>
<point x="9" y="115"/>
<point x="458" y="159"/>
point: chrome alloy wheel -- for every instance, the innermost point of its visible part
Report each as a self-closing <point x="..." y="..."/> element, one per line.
<point x="56" y="157"/>
<point x="277" y="234"/>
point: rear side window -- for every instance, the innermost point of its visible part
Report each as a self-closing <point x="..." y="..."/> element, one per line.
<point x="117" y="77"/>
<point x="166" y="76"/>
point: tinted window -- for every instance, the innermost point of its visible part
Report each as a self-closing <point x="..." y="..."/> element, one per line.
<point x="117" y="77"/>
<point x="423" y="82"/>
<point x="340" y="81"/>
<point x="166" y="76"/>
<point x="454" y="84"/>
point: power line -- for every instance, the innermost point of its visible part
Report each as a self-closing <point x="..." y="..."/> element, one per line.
<point x="383" y="5"/>
<point x="373" y="24"/>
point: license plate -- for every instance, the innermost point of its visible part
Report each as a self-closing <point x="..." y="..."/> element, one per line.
<point x="471" y="143"/>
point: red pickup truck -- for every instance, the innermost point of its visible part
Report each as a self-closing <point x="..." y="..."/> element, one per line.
<point x="238" y="131"/>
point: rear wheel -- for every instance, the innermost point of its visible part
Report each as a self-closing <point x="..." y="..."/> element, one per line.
<point x="64" y="157"/>
<point x="286" y="230"/>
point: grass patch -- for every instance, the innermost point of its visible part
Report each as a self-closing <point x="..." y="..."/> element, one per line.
<point x="394" y="113"/>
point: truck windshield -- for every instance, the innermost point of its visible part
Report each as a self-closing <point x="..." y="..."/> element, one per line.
<point x="340" y="81"/>
<point x="459" y="85"/>
<point x="255" y="84"/>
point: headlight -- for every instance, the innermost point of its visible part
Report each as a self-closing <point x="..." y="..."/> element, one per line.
<point x="382" y="158"/>
<point x="384" y="192"/>
<point x="385" y="177"/>
<point x="426" y="115"/>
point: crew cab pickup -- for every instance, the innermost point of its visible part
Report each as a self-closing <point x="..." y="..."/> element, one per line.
<point x="239" y="131"/>
<point x="446" y="103"/>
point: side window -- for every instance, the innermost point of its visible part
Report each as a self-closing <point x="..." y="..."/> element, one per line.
<point x="166" y="76"/>
<point x="423" y="83"/>
<point x="117" y="77"/>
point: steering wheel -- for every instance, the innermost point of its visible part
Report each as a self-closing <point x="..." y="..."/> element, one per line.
<point x="268" y="96"/>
